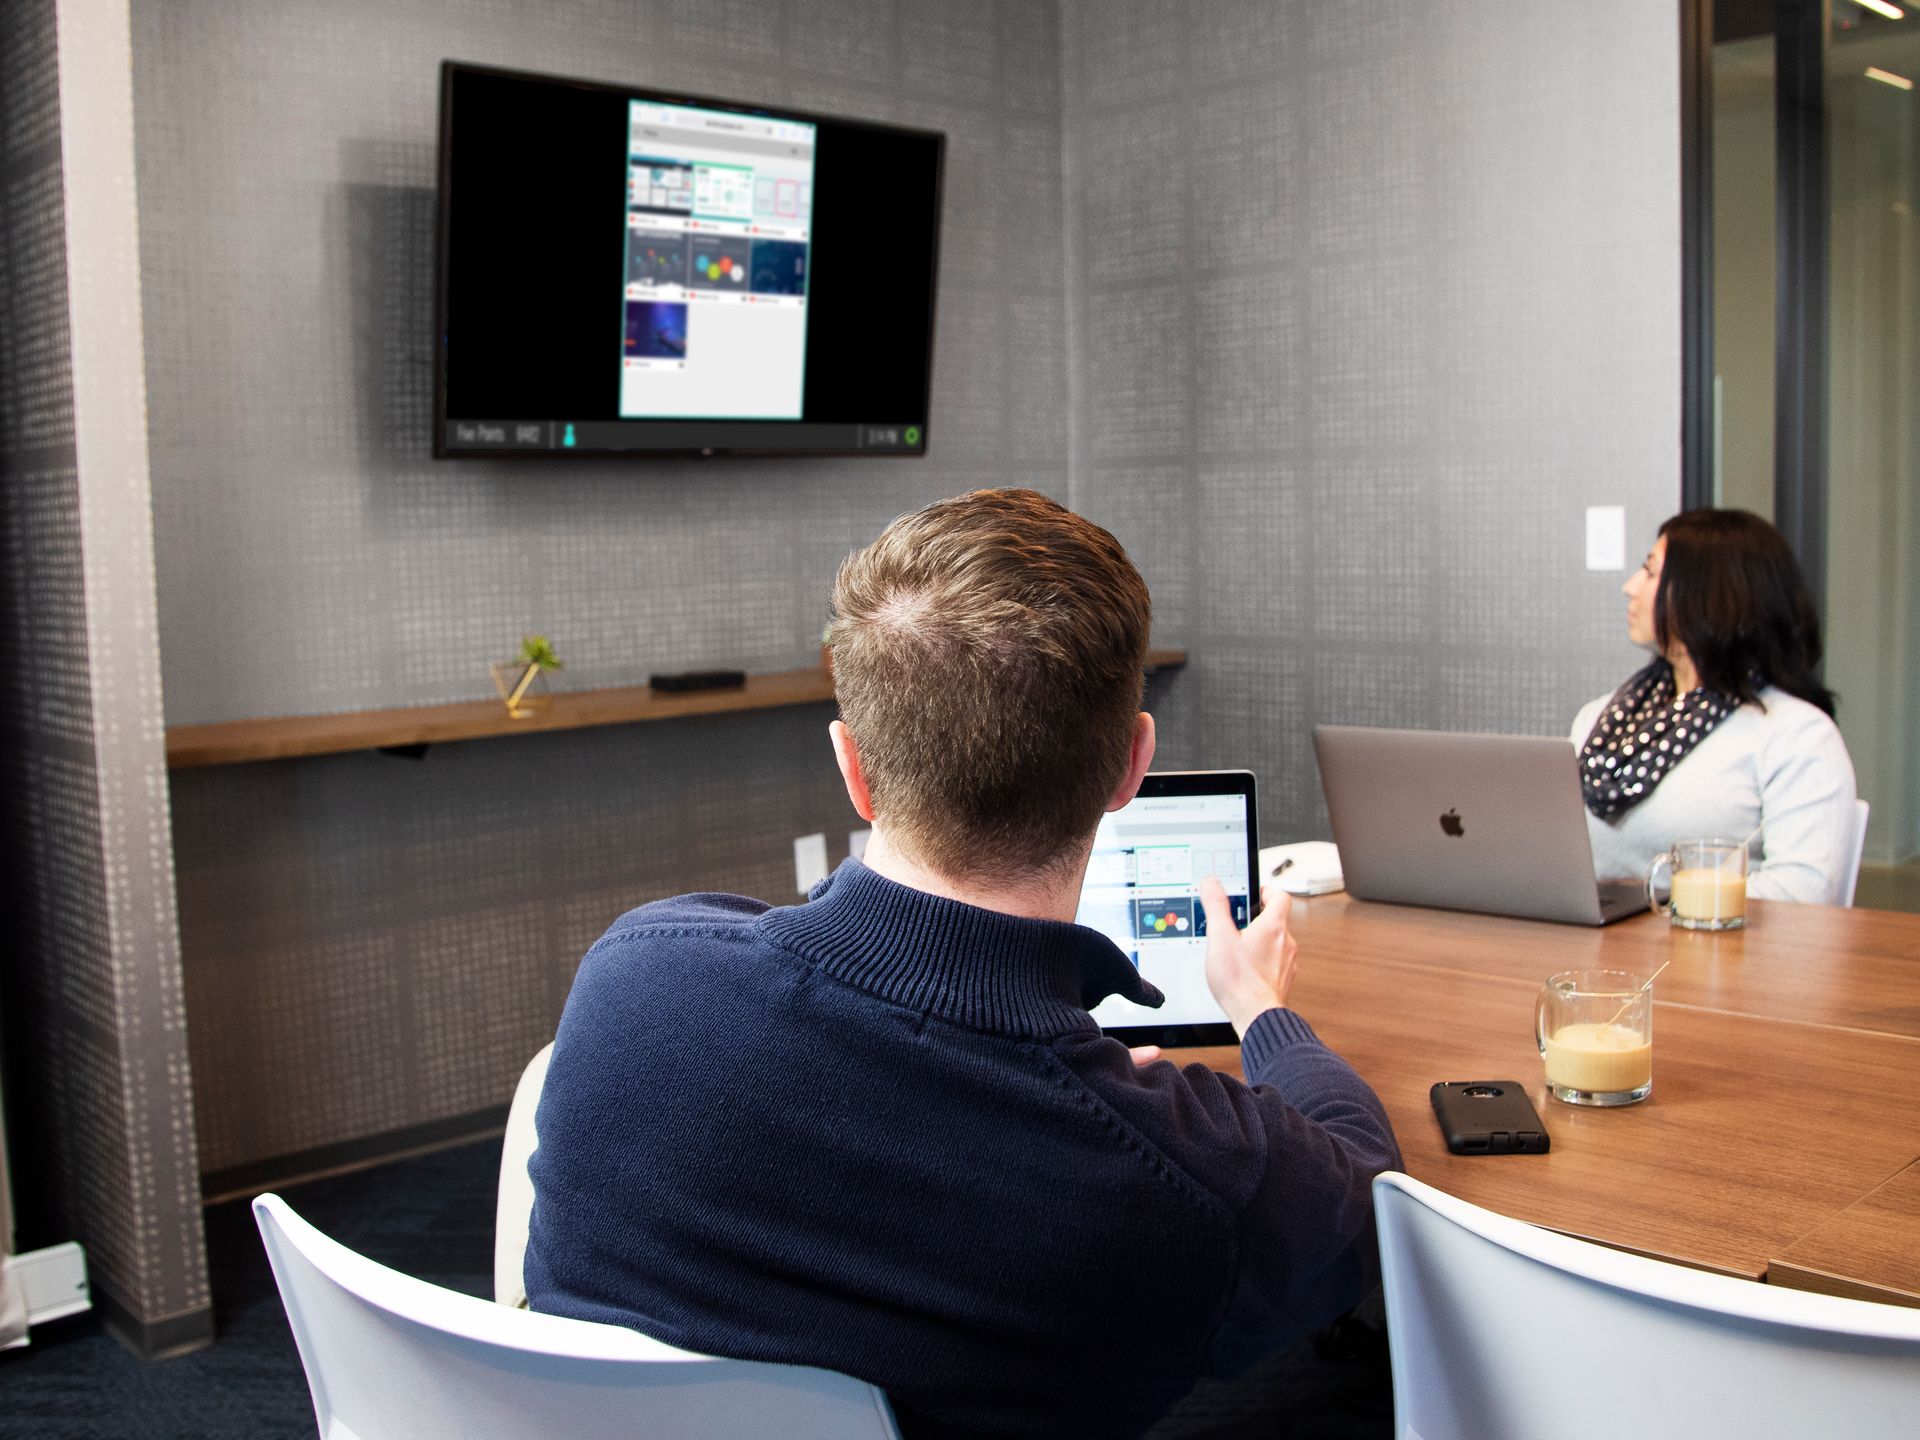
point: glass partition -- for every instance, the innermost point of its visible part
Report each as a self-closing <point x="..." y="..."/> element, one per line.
<point x="1813" y="145"/>
<point x="1873" y="430"/>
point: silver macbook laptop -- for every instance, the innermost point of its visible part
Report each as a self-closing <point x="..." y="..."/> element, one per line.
<point x="1493" y="823"/>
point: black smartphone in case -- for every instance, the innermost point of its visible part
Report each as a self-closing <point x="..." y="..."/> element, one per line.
<point x="1488" y="1117"/>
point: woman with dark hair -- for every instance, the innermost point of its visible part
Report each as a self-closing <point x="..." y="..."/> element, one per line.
<point x="1728" y="732"/>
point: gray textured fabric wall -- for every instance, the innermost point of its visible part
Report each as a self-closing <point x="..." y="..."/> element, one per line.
<point x="374" y="944"/>
<point x="314" y="558"/>
<point x="1340" y="317"/>
<point x="1367" y="303"/>
<point x="97" y="1082"/>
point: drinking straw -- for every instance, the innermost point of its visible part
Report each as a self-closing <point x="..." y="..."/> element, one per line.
<point x="1636" y="995"/>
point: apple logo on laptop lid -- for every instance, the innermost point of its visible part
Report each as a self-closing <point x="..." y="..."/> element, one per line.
<point x="1450" y="822"/>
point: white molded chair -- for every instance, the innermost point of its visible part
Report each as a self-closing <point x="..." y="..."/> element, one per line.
<point x="1861" y="812"/>
<point x="1503" y="1331"/>
<point x="515" y="1208"/>
<point x="389" y="1357"/>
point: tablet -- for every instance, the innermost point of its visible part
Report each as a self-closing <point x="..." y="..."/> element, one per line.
<point x="1143" y="893"/>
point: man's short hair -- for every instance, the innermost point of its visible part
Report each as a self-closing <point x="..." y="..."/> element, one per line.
<point x="988" y="657"/>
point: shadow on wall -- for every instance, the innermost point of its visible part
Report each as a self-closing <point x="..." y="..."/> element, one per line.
<point x="374" y="943"/>
<point x="390" y="239"/>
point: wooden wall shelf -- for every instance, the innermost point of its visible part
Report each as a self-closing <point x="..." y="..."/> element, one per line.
<point x="235" y="742"/>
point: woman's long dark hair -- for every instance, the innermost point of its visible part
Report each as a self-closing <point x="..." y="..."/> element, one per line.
<point x="1731" y="593"/>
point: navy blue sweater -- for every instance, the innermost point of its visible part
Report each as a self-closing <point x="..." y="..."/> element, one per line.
<point x="880" y="1134"/>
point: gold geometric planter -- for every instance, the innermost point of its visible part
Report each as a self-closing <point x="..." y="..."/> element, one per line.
<point x="523" y="688"/>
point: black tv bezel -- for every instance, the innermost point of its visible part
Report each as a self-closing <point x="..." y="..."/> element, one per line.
<point x="444" y="165"/>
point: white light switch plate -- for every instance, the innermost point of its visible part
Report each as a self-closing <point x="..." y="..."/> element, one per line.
<point x="809" y="861"/>
<point x="1606" y="537"/>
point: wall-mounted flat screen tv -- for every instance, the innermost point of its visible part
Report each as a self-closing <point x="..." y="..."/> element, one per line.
<point x="628" y="271"/>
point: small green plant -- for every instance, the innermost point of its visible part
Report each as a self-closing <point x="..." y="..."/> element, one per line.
<point x="513" y="678"/>
<point x="537" y="651"/>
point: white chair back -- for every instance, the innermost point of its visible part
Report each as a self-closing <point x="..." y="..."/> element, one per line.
<point x="515" y="1208"/>
<point x="1502" y="1331"/>
<point x="1861" y="813"/>
<point x="389" y="1357"/>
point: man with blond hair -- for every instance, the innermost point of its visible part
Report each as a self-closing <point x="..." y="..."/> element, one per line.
<point x="879" y="1132"/>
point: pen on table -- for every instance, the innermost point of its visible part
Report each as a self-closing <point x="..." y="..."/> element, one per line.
<point x="1283" y="865"/>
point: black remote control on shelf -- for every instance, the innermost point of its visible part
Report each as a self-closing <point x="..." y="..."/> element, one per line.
<point x="698" y="680"/>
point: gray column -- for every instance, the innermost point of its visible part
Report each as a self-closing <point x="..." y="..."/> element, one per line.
<point x="103" y="1149"/>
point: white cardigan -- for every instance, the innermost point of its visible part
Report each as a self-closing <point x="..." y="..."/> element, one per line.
<point x="1785" y="764"/>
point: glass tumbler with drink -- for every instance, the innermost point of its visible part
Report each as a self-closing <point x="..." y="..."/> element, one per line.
<point x="1708" y="890"/>
<point x="1595" y="1032"/>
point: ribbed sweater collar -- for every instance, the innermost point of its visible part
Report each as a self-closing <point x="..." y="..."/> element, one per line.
<point x="976" y="967"/>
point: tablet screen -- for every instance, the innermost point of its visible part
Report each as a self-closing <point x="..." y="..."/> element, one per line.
<point x="1143" y="892"/>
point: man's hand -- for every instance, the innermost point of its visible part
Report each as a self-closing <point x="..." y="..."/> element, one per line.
<point x="1144" y="1054"/>
<point x="1249" y="971"/>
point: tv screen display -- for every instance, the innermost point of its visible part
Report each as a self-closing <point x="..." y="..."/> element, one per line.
<point x="626" y="271"/>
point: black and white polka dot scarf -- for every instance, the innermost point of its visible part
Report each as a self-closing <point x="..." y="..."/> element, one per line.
<point x="1643" y="732"/>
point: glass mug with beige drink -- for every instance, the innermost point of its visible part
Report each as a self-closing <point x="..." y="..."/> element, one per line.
<point x="1595" y="1032"/>
<point x="1708" y="890"/>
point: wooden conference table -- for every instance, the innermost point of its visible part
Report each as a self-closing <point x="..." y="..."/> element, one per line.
<point x="1782" y="1139"/>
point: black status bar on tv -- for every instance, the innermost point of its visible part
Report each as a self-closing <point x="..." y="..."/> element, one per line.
<point x="496" y="436"/>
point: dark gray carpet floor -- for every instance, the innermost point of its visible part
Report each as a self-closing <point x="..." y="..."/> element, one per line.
<point x="432" y="1216"/>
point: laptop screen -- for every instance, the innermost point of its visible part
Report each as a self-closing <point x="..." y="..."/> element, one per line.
<point x="1143" y="888"/>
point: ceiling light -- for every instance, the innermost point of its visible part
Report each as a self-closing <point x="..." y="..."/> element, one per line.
<point x="1887" y="77"/>
<point x="1881" y="7"/>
